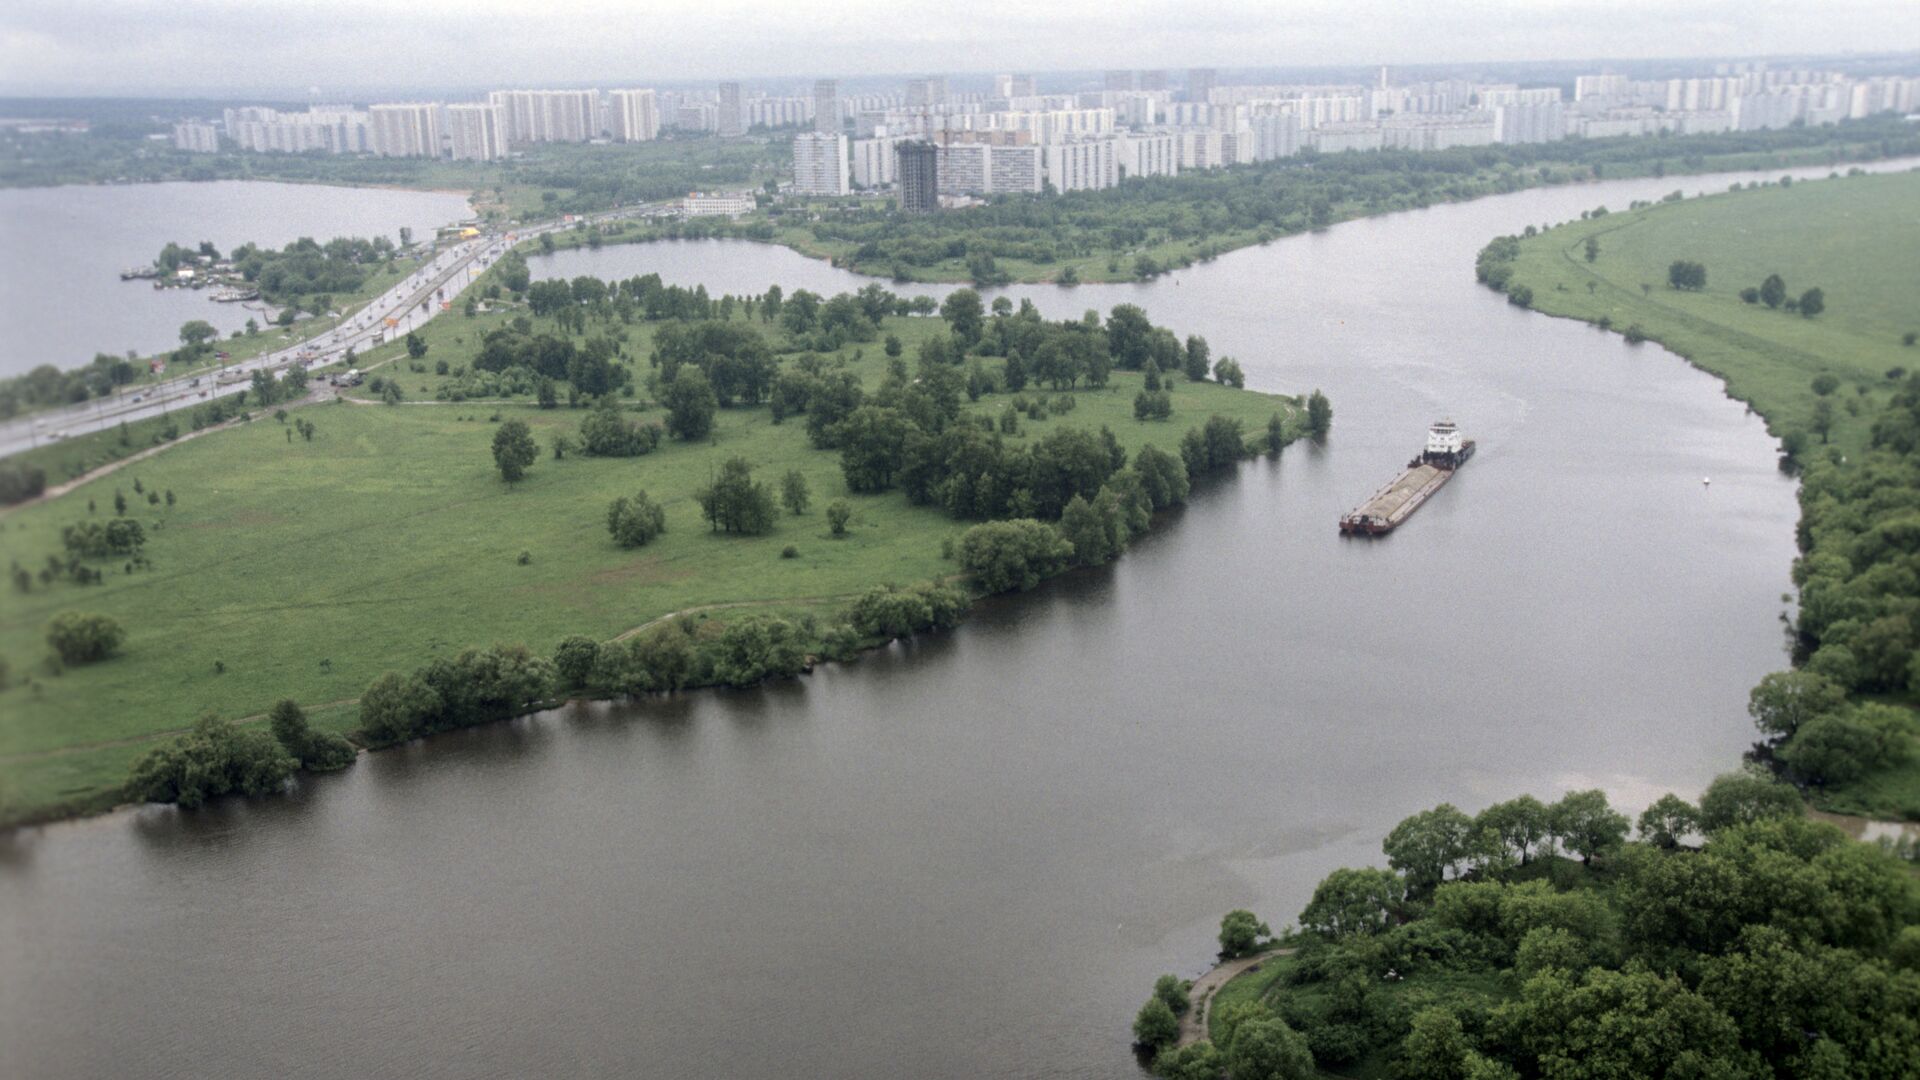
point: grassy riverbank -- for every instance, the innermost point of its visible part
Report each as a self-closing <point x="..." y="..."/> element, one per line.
<point x="303" y="569"/>
<point x="1835" y="385"/>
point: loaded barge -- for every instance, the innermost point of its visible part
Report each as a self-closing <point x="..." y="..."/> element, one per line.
<point x="1387" y="508"/>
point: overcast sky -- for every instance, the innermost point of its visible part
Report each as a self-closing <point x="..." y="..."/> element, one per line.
<point x="193" y="47"/>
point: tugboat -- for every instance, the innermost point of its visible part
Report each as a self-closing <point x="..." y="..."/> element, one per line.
<point x="1428" y="472"/>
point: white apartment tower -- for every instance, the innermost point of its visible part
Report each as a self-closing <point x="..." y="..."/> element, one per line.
<point x="475" y="132"/>
<point x="733" y="117"/>
<point x="820" y="164"/>
<point x="537" y="116"/>
<point x="405" y="130"/>
<point x="633" y="115"/>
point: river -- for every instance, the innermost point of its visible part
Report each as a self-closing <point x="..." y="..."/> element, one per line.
<point x="970" y="854"/>
<point x="61" y="297"/>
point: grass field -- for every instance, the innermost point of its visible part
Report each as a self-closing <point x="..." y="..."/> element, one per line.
<point x="1854" y="237"/>
<point x="305" y="569"/>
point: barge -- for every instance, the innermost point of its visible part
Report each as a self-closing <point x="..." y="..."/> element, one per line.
<point x="1387" y="508"/>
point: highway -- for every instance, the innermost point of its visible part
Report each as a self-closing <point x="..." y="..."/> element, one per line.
<point x="426" y="292"/>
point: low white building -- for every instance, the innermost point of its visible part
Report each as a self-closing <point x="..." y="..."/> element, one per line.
<point x="717" y="204"/>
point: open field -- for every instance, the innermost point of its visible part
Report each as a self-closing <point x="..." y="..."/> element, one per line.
<point x="302" y="569"/>
<point x="1853" y="237"/>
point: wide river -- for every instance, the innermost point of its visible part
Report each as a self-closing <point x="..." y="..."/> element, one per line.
<point x="970" y="855"/>
<point x="62" y="250"/>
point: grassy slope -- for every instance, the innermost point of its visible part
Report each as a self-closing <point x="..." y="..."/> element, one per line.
<point x="390" y="539"/>
<point x="1854" y="237"/>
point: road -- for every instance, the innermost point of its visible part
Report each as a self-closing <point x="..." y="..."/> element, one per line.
<point x="426" y="292"/>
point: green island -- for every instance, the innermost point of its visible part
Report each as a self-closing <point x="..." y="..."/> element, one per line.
<point x="1734" y="936"/>
<point x="653" y="488"/>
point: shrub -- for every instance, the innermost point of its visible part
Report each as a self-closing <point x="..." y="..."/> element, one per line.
<point x="316" y="750"/>
<point x="215" y="758"/>
<point x="635" y="522"/>
<point x="838" y="514"/>
<point x="83" y="638"/>
<point x="1006" y="555"/>
<point x="789" y="552"/>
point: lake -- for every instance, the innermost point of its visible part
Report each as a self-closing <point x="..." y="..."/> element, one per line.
<point x="970" y="854"/>
<point x="61" y="297"/>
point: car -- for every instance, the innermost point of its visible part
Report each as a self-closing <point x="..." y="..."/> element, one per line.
<point x="138" y="398"/>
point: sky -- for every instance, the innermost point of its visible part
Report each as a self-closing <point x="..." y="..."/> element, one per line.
<point x="222" y="47"/>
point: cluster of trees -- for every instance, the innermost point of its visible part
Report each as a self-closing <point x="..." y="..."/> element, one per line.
<point x="218" y="757"/>
<point x="102" y="540"/>
<point x="686" y="652"/>
<point x="304" y="269"/>
<point x="592" y="368"/>
<point x="1774" y="947"/>
<point x="606" y="432"/>
<point x="20" y="481"/>
<point x="475" y="687"/>
<point x="635" y="522"/>
<point x="47" y="385"/>
<point x="890" y="611"/>
<point x="736" y="503"/>
<point x="1773" y="293"/>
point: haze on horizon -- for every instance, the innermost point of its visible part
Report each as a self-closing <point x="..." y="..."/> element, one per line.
<point x="281" y="47"/>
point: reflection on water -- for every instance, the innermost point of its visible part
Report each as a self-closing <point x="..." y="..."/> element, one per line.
<point x="970" y="854"/>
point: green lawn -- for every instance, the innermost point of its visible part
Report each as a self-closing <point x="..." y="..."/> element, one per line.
<point x="305" y="569"/>
<point x="1854" y="237"/>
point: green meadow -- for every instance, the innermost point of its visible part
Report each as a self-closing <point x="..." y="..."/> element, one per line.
<point x="1853" y="237"/>
<point x="304" y="569"/>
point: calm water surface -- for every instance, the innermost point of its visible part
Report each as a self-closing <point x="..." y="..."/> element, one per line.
<point x="62" y="250"/>
<point x="970" y="855"/>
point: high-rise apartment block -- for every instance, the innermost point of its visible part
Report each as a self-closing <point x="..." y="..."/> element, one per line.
<point x="633" y="115"/>
<point x="927" y="93"/>
<point x="820" y="164"/>
<point x="475" y="132"/>
<point x="1119" y="82"/>
<point x="1153" y="82"/>
<point x="733" y="118"/>
<point x="917" y="169"/>
<point x="543" y="116"/>
<point x="826" y="107"/>
<point x="411" y="129"/>
<point x="1200" y="84"/>
<point x="196" y="138"/>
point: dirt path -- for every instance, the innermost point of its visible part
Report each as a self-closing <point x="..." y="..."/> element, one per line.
<point x="1193" y="1026"/>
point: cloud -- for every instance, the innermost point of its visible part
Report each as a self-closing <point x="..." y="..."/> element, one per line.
<point x="101" y="46"/>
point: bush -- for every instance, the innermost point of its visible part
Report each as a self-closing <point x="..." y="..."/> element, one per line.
<point x="83" y="638"/>
<point x="215" y="758"/>
<point x="635" y="522"/>
<point x="892" y="612"/>
<point x="1006" y="555"/>
<point x="838" y="514"/>
<point x="315" y="750"/>
<point x="789" y="552"/>
<point x="1155" y="1027"/>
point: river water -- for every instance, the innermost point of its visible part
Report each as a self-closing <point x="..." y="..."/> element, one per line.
<point x="62" y="250"/>
<point x="970" y="855"/>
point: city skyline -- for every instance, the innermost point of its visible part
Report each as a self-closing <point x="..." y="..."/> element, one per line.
<point x="117" y="47"/>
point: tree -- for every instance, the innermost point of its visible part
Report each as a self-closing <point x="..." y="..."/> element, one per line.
<point x="733" y="503"/>
<point x="963" y="312"/>
<point x="514" y="450"/>
<point x="416" y="346"/>
<point x="1683" y="274"/>
<point x="1173" y="990"/>
<point x="1837" y="748"/>
<point x="197" y="333"/>
<point x="1737" y="798"/>
<point x="1269" y="1050"/>
<point x="575" y="659"/>
<point x="1155" y="1027"/>
<point x="1350" y="901"/>
<point x="1785" y="700"/>
<point x="1517" y="825"/>
<point x="1227" y="372"/>
<point x="1427" y="845"/>
<point x="1195" y="1061"/>
<point x="1825" y="383"/>
<point x="1812" y="302"/>
<point x="1195" y="362"/>
<point x="1593" y="248"/>
<point x="314" y="750"/>
<point x="1586" y="824"/>
<point x="690" y="404"/>
<point x="215" y="758"/>
<point x="1773" y="291"/>
<point x="78" y="637"/>
<point x="1668" y="821"/>
<point x="793" y="492"/>
<point x="1436" y="1046"/>
<point x="635" y="522"/>
<point x="1319" y="415"/>
<point x="838" y="514"/>
<point x="1240" y="933"/>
